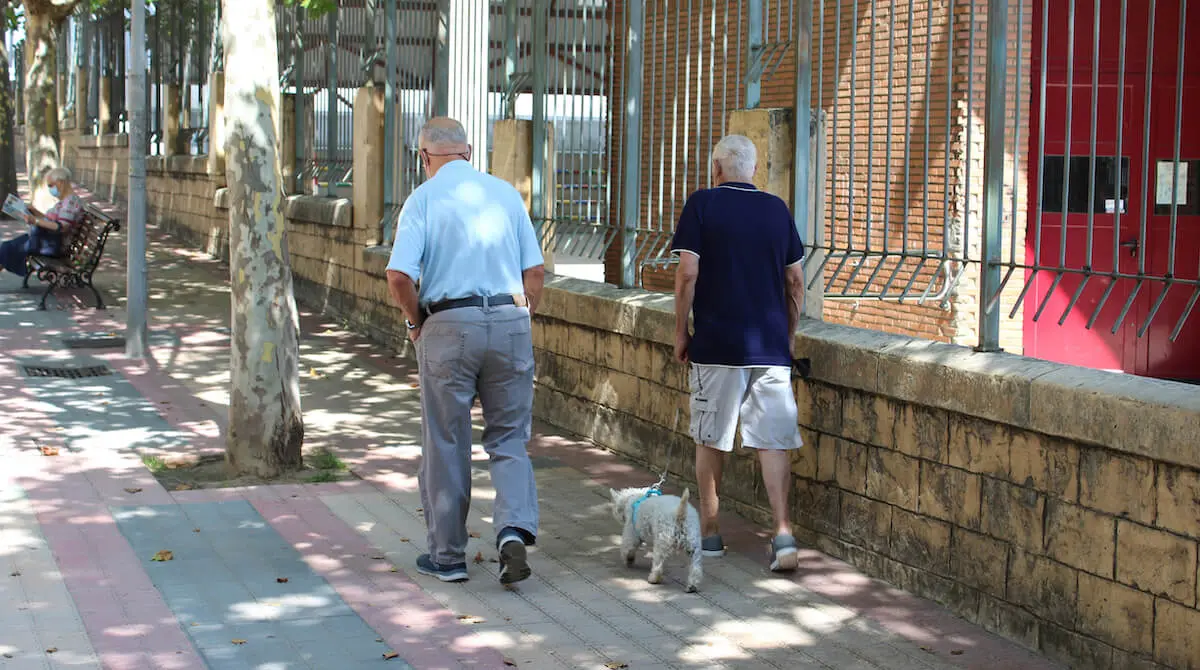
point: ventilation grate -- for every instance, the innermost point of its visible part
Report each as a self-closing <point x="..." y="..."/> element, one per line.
<point x="66" y="372"/>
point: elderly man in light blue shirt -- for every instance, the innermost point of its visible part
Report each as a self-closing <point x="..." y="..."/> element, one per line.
<point x="467" y="239"/>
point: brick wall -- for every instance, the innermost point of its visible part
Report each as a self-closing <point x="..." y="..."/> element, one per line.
<point x="1056" y="506"/>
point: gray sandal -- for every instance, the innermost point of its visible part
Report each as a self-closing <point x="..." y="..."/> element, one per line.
<point x="785" y="555"/>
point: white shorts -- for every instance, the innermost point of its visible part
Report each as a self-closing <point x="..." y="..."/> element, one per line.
<point x="761" y="397"/>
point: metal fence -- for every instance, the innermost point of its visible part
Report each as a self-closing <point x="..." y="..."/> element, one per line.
<point x="1000" y="164"/>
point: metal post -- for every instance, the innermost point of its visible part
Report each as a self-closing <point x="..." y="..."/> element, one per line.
<point x="754" y="55"/>
<point x="993" y="174"/>
<point x="510" y="56"/>
<point x="537" y="199"/>
<point x="136" y="277"/>
<point x="301" y="130"/>
<point x="391" y="147"/>
<point x="441" y="61"/>
<point x="331" y="107"/>
<point x="634" y="44"/>
<point x="803" y="193"/>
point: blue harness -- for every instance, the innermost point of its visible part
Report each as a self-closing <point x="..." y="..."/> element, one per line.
<point x="648" y="495"/>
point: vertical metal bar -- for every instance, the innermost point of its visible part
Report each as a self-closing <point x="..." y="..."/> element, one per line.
<point x="441" y="59"/>
<point x="136" y="329"/>
<point x="634" y="38"/>
<point x="1146" y="200"/>
<point x="993" y="173"/>
<point x="802" y="122"/>
<point x="540" y="54"/>
<point x="301" y="120"/>
<point x="712" y="77"/>
<point x="1062" y="241"/>
<point x="331" y="101"/>
<point x="1118" y="196"/>
<point x="391" y="148"/>
<point x="510" y="56"/>
<point x="1016" y="150"/>
<point x="660" y="10"/>
<point x="687" y="99"/>
<point x="754" y="56"/>
<point x="1176" y="155"/>
<point x="725" y="68"/>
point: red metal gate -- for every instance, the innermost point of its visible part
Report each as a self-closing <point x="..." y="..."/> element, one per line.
<point x="1105" y="126"/>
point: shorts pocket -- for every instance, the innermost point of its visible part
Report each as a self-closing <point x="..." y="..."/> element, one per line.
<point x="703" y="424"/>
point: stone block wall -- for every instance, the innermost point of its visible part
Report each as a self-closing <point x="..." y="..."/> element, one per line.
<point x="1056" y="506"/>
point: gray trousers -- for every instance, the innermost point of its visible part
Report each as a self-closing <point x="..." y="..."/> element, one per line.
<point x="462" y="353"/>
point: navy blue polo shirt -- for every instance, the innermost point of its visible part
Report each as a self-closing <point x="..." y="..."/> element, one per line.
<point x="745" y="239"/>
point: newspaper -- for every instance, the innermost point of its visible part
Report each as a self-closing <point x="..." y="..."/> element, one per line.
<point x="15" y="207"/>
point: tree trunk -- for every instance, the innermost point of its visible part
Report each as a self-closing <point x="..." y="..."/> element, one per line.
<point x="41" y="99"/>
<point x="266" y="429"/>
<point x="8" y="155"/>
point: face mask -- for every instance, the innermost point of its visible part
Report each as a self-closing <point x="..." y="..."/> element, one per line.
<point x="54" y="191"/>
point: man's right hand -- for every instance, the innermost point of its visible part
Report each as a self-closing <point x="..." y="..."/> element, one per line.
<point x="683" y="342"/>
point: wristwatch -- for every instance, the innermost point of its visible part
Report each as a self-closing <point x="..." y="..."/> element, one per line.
<point x="410" y="325"/>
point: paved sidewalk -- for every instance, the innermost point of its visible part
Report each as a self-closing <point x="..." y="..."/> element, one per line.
<point x="321" y="575"/>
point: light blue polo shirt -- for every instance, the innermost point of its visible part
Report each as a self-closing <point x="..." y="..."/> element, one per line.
<point x="464" y="233"/>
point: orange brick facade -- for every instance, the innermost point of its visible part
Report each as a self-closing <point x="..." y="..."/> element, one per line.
<point x="904" y="147"/>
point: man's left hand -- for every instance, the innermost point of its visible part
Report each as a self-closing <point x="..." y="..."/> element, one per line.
<point x="683" y="342"/>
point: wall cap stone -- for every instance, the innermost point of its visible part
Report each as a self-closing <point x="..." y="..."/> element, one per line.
<point x="1137" y="415"/>
<point x="221" y="198"/>
<point x="311" y="209"/>
<point x="103" y="141"/>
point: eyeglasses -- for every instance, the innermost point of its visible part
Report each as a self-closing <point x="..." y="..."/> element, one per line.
<point x="461" y="153"/>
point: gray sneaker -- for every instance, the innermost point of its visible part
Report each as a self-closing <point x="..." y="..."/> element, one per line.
<point x="712" y="546"/>
<point x="785" y="555"/>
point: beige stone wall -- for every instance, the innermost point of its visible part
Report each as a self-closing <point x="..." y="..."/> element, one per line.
<point x="1053" y="505"/>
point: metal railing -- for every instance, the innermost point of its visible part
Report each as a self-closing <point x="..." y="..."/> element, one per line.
<point x="993" y="165"/>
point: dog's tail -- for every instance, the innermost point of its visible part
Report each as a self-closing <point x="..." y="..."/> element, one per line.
<point x="681" y="513"/>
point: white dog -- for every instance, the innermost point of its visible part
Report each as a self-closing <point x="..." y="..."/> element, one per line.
<point x="667" y="523"/>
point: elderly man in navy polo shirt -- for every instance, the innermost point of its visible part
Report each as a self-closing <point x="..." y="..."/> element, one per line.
<point x="467" y="238"/>
<point x="740" y="278"/>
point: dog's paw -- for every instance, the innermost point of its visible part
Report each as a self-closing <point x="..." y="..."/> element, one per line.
<point x="654" y="578"/>
<point x="692" y="588"/>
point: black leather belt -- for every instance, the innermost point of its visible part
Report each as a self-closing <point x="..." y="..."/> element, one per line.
<point x="473" y="301"/>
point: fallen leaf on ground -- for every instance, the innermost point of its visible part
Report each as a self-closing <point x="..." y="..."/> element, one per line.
<point x="195" y="530"/>
<point x="379" y="639"/>
<point x="926" y="650"/>
<point x="133" y="490"/>
<point x="509" y="662"/>
<point x="394" y="569"/>
<point x="956" y="652"/>
<point x="163" y="555"/>
<point x="420" y="509"/>
<point x="616" y="665"/>
<point x="479" y="557"/>
<point x="281" y="580"/>
<point x="404" y="539"/>
<point x="389" y="655"/>
<point x="470" y="618"/>
<point x="184" y="487"/>
<point x="49" y="451"/>
<point x="52" y="650"/>
<point x="473" y="534"/>
<point x="238" y="641"/>
<point x="379" y="557"/>
<point x="15" y="573"/>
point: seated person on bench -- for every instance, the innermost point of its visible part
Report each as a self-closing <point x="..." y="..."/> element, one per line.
<point x="48" y="232"/>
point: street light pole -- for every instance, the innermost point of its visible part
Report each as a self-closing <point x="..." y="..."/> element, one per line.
<point x="136" y="280"/>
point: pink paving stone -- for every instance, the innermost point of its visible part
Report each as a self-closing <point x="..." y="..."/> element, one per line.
<point x="411" y="622"/>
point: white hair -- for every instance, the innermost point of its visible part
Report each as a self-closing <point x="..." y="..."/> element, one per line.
<point x="443" y="131"/>
<point x="737" y="156"/>
<point x="58" y="174"/>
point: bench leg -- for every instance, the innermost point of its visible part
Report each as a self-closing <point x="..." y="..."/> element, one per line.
<point x="99" y="300"/>
<point x="49" y="289"/>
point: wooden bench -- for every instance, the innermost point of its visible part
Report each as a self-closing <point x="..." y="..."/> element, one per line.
<point x="82" y="251"/>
